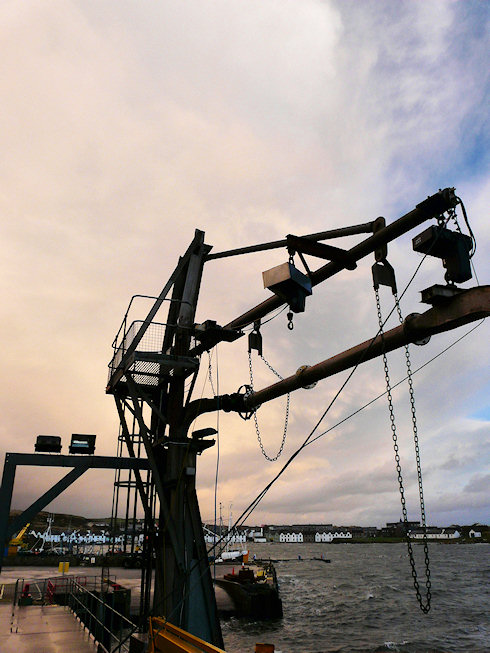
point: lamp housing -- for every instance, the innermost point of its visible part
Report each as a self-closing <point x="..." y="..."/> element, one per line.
<point x="48" y="444"/>
<point x="288" y="283"/>
<point x="81" y="443"/>
<point x="451" y="246"/>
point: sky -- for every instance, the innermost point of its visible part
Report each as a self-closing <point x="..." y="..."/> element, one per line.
<point x="125" y="126"/>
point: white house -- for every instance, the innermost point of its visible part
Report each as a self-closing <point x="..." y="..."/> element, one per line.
<point x="473" y="533"/>
<point x="435" y="533"/>
<point x="323" y="537"/>
<point x="291" y="537"/>
<point x="342" y="535"/>
<point x="329" y="536"/>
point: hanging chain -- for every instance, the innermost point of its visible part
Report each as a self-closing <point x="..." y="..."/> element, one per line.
<point x="271" y="368"/>
<point x="286" y="419"/>
<point x="414" y="420"/>
<point x="425" y="607"/>
<point x="210" y="374"/>
<point x="290" y="314"/>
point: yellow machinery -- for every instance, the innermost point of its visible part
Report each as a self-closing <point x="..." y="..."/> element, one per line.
<point x="16" y="542"/>
<point x="166" y="638"/>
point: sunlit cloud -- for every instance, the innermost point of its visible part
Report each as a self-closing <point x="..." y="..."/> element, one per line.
<point x="123" y="128"/>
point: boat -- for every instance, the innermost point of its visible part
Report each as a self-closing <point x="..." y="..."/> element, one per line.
<point x="233" y="556"/>
<point x="231" y="536"/>
<point x="254" y="591"/>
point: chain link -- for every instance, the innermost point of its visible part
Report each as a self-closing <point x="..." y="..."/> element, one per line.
<point x="210" y="374"/>
<point x="425" y="607"/>
<point x="286" y="419"/>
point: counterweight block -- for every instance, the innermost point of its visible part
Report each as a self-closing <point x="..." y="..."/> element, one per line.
<point x="288" y="283"/>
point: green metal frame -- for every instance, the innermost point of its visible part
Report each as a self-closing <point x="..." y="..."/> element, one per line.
<point x="80" y="465"/>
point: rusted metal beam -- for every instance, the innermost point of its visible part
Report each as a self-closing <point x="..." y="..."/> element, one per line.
<point x="465" y="307"/>
<point x="468" y="306"/>
<point x="432" y="207"/>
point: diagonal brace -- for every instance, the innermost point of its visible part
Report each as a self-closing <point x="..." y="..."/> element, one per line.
<point x="321" y="250"/>
<point x="26" y="516"/>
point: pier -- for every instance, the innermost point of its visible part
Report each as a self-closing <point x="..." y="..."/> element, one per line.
<point x="48" y="628"/>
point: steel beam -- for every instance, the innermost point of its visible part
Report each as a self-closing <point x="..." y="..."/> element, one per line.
<point x="202" y="611"/>
<point x="432" y="207"/>
<point x="79" y="463"/>
<point x="365" y="228"/>
<point x="468" y="306"/>
<point x="174" y="592"/>
<point x="320" y="250"/>
<point x="119" y="373"/>
<point x="27" y="515"/>
<point x="465" y="307"/>
<point x="6" y="491"/>
<point x="89" y="462"/>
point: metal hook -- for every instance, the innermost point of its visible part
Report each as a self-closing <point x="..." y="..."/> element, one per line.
<point x="290" y="321"/>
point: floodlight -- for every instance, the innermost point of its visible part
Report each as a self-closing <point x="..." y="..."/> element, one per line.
<point x="82" y="443"/>
<point x="48" y="444"/>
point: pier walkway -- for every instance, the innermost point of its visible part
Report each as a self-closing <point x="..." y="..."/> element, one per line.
<point x="42" y="629"/>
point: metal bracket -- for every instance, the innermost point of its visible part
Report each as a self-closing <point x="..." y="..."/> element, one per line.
<point x="255" y="339"/>
<point x="384" y="275"/>
<point x="381" y="253"/>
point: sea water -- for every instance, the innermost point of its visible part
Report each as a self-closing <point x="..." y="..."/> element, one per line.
<point x="364" y="600"/>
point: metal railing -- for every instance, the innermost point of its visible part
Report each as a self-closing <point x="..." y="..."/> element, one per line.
<point x="109" y="627"/>
<point x="152" y="341"/>
<point x="94" y="600"/>
<point x="53" y="588"/>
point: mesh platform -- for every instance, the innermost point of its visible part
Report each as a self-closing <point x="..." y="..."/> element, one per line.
<point x="147" y="364"/>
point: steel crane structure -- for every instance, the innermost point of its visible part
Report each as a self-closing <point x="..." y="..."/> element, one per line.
<point x="152" y="375"/>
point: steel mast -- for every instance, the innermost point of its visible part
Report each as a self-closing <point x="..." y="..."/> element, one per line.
<point x="148" y="380"/>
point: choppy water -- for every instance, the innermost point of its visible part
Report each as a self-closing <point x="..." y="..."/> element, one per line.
<point x="364" y="601"/>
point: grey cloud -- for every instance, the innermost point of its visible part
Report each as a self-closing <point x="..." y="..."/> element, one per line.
<point x="479" y="483"/>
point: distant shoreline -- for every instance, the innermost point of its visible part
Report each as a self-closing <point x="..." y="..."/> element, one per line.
<point x="381" y="540"/>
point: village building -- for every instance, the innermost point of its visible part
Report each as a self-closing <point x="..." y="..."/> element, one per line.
<point x="397" y="528"/>
<point x="434" y="533"/>
<point x="308" y="533"/>
<point x="290" y="536"/>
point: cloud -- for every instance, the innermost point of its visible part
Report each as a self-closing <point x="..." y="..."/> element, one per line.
<point x="478" y="483"/>
<point x="451" y="503"/>
<point x="123" y="129"/>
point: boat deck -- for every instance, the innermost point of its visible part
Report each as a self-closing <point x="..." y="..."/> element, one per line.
<point x="42" y="629"/>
